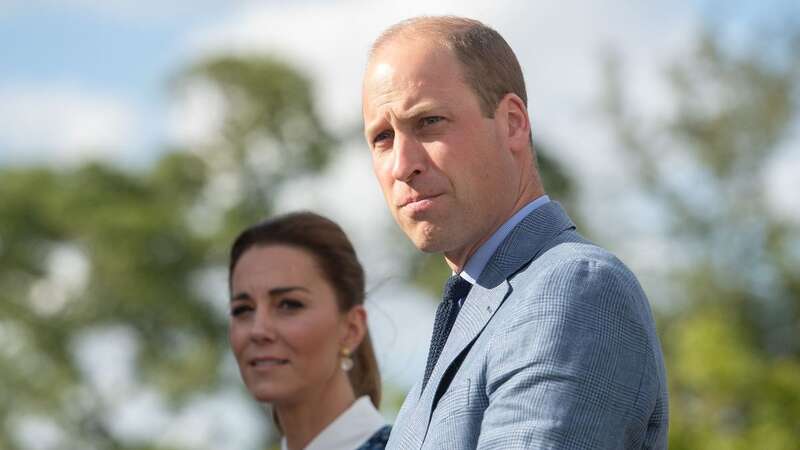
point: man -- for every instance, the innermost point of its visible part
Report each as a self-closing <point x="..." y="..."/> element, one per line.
<point x="543" y="340"/>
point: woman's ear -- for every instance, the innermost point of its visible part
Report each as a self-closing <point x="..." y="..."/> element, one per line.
<point x="355" y="327"/>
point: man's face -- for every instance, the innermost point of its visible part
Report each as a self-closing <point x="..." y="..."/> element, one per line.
<point x="442" y="165"/>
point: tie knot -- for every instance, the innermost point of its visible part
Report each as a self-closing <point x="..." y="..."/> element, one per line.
<point x="455" y="289"/>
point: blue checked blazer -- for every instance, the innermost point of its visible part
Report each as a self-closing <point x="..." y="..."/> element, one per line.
<point x="554" y="348"/>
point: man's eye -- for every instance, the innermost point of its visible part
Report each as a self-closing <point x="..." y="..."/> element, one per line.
<point x="426" y="121"/>
<point x="383" y="135"/>
<point x="239" y="310"/>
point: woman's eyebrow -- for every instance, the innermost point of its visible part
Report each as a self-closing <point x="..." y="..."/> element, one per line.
<point x="284" y="289"/>
<point x="240" y="296"/>
<point x="272" y="292"/>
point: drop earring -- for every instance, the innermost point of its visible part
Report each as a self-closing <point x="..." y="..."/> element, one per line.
<point x="346" y="362"/>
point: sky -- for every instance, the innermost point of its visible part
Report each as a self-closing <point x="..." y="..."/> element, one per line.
<point x="89" y="80"/>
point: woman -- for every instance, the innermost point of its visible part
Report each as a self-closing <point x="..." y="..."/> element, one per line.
<point x="298" y="331"/>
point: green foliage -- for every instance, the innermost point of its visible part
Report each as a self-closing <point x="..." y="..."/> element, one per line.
<point x="140" y="256"/>
<point x="270" y="133"/>
<point x="732" y="335"/>
<point x="727" y="393"/>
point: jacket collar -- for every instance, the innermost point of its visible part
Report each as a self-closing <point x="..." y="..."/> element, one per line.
<point x="525" y="242"/>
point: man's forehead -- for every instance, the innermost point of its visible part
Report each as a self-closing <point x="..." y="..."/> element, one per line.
<point x="409" y="65"/>
<point x="405" y="96"/>
<point x="405" y="57"/>
<point x="380" y="77"/>
<point x="407" y="42"/>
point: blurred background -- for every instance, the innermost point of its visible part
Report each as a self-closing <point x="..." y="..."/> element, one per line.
<point x="137" y="138"/>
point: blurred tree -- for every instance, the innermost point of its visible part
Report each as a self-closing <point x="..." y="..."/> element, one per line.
<point x="731" y="334"/>
<point x="97" y="249"/>
<point x="270" y="132"/>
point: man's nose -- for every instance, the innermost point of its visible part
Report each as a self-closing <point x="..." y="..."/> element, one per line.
<point x="409" y="157"/>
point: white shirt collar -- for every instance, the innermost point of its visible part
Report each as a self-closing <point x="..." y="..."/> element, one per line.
<point x="348" y="431"/>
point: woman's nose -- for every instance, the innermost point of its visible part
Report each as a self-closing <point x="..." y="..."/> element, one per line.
<point x="263" y="326"/>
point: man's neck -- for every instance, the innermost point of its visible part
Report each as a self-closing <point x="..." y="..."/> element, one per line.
<point x="458" y="258"/>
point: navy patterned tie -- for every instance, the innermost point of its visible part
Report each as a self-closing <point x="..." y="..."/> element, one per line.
<point x="455" y="289"/>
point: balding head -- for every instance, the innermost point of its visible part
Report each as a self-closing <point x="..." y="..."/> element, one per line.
<point x="488" y="64"/>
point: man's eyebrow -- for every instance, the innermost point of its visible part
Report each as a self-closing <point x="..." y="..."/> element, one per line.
<point x="372" y="127"/>
<point x="418" y="110"/>
<point x="272" y="292"/>
<point x="411" y="114"/>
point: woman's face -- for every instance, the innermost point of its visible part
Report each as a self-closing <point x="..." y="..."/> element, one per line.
<point x="286" y="330"/>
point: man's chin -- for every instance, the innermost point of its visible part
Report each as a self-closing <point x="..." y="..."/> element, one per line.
<point x="427" y="247"/>
<point x="428" y="242"/>
<point x="427" y="236"/>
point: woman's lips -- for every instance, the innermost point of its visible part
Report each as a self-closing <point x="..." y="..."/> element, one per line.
<point x="267" y="362"/>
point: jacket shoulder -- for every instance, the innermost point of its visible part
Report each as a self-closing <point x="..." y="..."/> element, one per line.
<point x="576" y="281"/>
<point x="575" y="264"/>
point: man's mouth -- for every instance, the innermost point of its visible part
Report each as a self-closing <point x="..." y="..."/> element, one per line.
<point x="417" y="201"/>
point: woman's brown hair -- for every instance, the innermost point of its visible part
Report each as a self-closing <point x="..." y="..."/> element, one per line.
<point x="337" y="259"/>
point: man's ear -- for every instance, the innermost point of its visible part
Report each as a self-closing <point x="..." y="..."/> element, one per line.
<point x="355" y="327"/>
<point x="518" y="125"/>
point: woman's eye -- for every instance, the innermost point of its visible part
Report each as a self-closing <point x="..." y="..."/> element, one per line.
<point x="239" y="310"/>
<point x="290" y="304"/>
